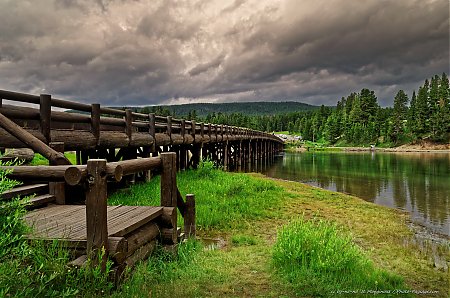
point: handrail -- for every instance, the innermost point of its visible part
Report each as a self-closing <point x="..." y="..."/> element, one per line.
<point x="137" y="120"/>
<point x="74" y="175"/>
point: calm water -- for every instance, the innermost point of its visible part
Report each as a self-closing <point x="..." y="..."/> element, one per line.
<point x="416" y="182"/>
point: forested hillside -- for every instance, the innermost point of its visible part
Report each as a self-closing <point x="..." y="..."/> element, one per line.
<point x="359" y="120"/>
<point x="356" y="120"/>
<point x="249" y="108"/>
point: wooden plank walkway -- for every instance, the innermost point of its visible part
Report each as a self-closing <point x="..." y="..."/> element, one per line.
<point x="68" y="222"/>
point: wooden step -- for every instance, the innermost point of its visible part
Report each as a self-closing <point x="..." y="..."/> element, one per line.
<point x="40" y="201"/>
<point x="25" y="191"/>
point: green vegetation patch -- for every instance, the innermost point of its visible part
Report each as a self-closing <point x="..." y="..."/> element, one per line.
<point x="243" y="240"/>
<point x="38" y="269"/>
<point x="224" y="201"/>
<point x="320" y="259"/>
<point x="40" y="160"/>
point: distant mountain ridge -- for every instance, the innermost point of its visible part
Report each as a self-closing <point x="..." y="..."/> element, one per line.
<point x="248" y="108"/>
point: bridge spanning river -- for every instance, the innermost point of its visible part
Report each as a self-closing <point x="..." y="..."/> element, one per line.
<point x="111" y="145"/>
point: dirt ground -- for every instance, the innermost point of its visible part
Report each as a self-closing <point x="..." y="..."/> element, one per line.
<point x="423" y="145"/>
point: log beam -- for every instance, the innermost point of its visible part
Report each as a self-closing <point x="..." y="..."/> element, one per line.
<point x="33" y="142"/>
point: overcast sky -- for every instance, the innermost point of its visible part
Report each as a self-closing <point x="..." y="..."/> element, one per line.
<point x="145" y="52"/>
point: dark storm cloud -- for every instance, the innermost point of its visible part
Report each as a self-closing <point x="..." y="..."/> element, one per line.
<point x="206" y="66"/>
<point x="147" y="52"/>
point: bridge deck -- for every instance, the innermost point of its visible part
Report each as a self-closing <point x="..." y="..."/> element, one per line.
<point x="68" y="222"/>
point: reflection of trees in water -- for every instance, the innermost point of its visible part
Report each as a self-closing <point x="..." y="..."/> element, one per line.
<point x="419" y="180"/>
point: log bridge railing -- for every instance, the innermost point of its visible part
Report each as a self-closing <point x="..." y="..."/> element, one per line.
<point x="94" y="131"/>
<point x="137" y="237"/>
<point x="111" y="144"/>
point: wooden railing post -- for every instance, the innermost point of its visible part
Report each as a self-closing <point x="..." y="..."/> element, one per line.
<point x="95" y="121"/>
<point x="202" y="130"/>
<point x="183" y="152"/>
<point x="96" y="212"/>
<point x="152" y="129"/>
<point x="169" y="179"/>
<point x="183" y="128"/>
<point x="45" y="109"/>
<point x="57" y="188"/>
<point x="189" y="216"/>
<point x="169" y="126"/>
<point x="209" y="131"/>
<point x="128" y="123"/>
<point x="169" y="192"/>
<point x="193" y="129"/>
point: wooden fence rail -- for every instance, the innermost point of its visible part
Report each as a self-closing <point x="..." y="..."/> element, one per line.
<point x="97" y="132"/>
<point x="98" y="238"/>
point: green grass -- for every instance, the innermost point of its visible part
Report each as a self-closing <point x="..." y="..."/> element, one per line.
<point x="39" y="160"/>
<point x="244" y="212"/>
<point x="243" y="240"/>
<point x="319" y="259"/>
<point x="224" y="201"/>
<point x="37" y="269"/>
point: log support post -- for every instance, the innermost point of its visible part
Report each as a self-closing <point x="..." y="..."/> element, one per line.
<point x="128" y="124"/>
<point x="169" y="190"/>
<point x="95" y="121"/>
<point x="240" y="156"/>
<point x="183" y="151"/>
<point x="225" y="155"/>
<point x="96" y="217"/>
<point x="189" y="216"/>
<point x="45" y="110"/>
<point x="196" y="151"/>
<point x="152" y="130"/>
<point x="57" y="188"/>
<point x="169" y="126"/>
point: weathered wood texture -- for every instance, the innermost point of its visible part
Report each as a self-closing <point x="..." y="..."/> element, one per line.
<point x="101" y="127"/>
<point x="189" y="216"/>
<point x="31" y="141"/>
<point x="23" y="154"/>
<point x="69" y="221"/>
<point x="96" y="211"/>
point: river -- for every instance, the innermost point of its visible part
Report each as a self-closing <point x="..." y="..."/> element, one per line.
<point x="415" y="182"/>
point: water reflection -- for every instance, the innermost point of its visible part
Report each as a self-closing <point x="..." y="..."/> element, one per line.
<point x="417" y="182"/>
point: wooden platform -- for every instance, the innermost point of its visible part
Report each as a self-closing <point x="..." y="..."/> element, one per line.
<point x="68" y="222"/>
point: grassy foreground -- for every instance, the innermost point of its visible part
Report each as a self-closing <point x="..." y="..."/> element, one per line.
<point x="246" y="211"/>
<point x="273" y="239"/>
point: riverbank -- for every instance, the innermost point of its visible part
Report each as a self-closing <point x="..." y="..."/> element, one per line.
<point x="403" y="148"/>
<point x="422" y="146"/>
<point x="238" y="218"/>
<point x="239" y="215"/>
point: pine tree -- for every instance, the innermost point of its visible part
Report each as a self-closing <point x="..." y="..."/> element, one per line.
<point x="331" y="130"/>
<point x="369" y="105"/>
<point x="412" y="114"/>
<point x="422" y="112"/>
<point x="442" y="116"/>
<point x="444" y="99"/>
<point x="399" y="115"/>
<point x="435" y="110"/>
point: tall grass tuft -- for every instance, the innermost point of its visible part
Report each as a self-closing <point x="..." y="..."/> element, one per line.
<point x="319" y="259"/>
<point x="156" y="276"/>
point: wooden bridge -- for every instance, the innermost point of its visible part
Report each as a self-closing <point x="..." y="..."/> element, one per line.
<point x="114" y="145"/>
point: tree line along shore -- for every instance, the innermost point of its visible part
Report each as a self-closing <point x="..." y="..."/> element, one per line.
<point x="356" y="120"/>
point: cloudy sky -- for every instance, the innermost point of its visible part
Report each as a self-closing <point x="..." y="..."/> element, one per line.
<point x="144" y="52"/>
